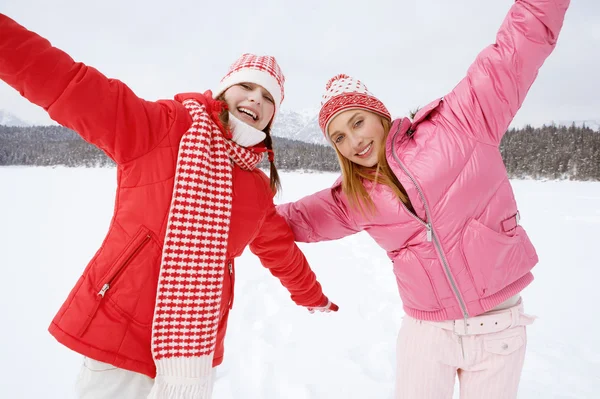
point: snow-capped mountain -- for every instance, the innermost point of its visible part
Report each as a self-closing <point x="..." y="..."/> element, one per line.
<point x="8" y="119"/>
<point x="312" y="132"/>
<point x="300" y="126"/>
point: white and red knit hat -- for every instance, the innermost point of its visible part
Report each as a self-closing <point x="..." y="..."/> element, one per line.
<point x="259" y="69"/>
<point x="342" y="93"/>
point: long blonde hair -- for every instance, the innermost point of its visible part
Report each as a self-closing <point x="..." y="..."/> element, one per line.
<point x="353" y="176"/>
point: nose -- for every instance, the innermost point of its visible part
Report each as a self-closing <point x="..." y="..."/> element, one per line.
<point x="255" y="95"/>
<point x="357" y="142"/>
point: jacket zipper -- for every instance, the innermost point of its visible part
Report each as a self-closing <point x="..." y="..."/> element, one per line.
<point x="110" y="281"/>
<point x="116" y="275"/>
<point x="231" y="282"/>
<point x="431" y="237"/>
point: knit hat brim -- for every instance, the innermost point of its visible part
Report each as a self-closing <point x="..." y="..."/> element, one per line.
<point x="256" y="76"/>
<point x="347" y="101"/>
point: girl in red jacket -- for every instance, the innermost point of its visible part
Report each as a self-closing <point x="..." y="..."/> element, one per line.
<point x="149" y="312"/>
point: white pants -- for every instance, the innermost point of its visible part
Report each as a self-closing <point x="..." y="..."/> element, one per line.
<point x="485" y="352"/>
<point x="98" y="380"/>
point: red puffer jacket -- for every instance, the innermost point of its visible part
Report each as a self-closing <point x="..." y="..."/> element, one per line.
<point x="142" y="137"/>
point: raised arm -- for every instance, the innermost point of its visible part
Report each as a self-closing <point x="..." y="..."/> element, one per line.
<point x="322" y="216"/>
<point x="103" y="111"/>
<point x="485" y="102"/>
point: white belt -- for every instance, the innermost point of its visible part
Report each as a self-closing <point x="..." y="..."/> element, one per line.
<point x="487" y="323"/>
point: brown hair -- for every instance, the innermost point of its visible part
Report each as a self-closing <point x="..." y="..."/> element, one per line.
<point x="274" y="181"/>
<point x="353" y="176"/>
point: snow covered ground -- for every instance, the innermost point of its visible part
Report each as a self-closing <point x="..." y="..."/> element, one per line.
<point x="53" y="220"/>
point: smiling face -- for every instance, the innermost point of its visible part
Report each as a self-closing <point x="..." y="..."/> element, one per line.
<point x="358" y="135"/>
<point x="250" y="103"/>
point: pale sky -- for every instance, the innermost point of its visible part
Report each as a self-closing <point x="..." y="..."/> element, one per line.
<point x="407" y="52"/>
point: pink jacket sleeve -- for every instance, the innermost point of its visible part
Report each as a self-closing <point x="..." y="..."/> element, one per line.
<point x="322" y="216"/>
<point x="485" y="102"/>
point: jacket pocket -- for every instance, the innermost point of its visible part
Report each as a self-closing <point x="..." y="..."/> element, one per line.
<point x="130" y="284"/>
<point x="97" y="366"/>
<point x="495" y="260"/>
<point x="414" y="282"/>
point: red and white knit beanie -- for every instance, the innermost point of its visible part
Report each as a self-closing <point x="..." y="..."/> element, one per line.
<point x="260" y="69"/>
<point x="342" y="93"/>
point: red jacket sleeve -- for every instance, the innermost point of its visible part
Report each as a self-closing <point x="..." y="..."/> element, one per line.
<point x="485" y="102"/>
<point x="105" y="112"/>
<point x="274" y="245"/>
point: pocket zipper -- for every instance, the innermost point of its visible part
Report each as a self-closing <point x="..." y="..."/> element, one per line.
<point x="231" y="282"/>
<point x="111" y="280"/>
<point x="118" y="272"/>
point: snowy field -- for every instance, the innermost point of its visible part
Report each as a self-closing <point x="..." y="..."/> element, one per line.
<point x="53" y="220"/>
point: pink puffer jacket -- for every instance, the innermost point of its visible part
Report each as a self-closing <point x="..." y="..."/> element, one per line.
<point x="464" y="252"/>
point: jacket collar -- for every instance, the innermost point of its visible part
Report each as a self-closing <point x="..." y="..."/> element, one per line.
<point x="404" y="128"/>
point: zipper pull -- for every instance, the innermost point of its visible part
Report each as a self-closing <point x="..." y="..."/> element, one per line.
<point x="429" y="233"/>
<point x="105" y="288"/>
<point x="230" y="268"/>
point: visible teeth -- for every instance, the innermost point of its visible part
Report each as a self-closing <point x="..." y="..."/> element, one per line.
<point x="248" y="112"/>
<point x="363" y="152"/>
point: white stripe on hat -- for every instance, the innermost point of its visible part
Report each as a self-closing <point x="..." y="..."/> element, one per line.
<point x="256" y="76"/>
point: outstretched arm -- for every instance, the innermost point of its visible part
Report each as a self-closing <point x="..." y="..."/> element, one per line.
<point x="485" y="102"/>
<point x="103" y="111"/>
<point x="275" y="246"/>
<point x="322" y="216"/>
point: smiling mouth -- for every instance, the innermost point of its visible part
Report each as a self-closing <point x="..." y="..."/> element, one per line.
<point x="366" y="150"/>
<point x="248" y="112"/>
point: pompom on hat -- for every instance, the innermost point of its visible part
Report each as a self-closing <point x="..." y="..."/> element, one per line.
<point x="342" y="93"/>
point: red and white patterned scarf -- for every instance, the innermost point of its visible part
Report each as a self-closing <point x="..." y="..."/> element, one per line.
<point x="188" y="301"/>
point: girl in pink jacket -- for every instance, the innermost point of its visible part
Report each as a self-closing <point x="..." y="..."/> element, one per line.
<point x="434" y="193"/>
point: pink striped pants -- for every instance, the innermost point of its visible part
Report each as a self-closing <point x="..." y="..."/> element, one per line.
<point x="485" y="352"/>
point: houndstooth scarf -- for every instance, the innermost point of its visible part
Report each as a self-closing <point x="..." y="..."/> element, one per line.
<point x="188" y="300"/>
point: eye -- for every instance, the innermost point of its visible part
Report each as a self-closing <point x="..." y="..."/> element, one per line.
<point x="358" y="123"/>
<point x="269" y="99"/>
<point x="246" y="86"/>
<point x="338" y="139"/>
